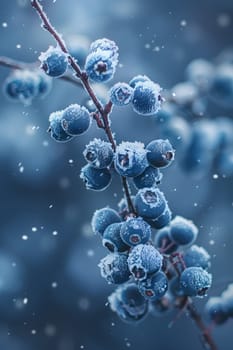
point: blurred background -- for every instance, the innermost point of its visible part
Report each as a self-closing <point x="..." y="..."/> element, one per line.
<point x="51" y="293"/>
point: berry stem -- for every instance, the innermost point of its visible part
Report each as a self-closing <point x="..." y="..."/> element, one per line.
<point x="104" y="111"/>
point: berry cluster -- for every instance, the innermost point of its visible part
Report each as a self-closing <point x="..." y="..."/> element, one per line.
<point x="24" y="85"/>
<point x="220" y="309"/>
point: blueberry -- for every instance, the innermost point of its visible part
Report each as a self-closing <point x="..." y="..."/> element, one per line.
<point x="214" y="308"/>
<point x="105" y="44"/>
<point x="160" y="153"/>
<point x="197" y="256"/>
<point x="150" y="177"/>
<point x="56" y="130"/>
<point x="114" y="268"/>
<point x="76" y="120"/>
<point x="163" y="240"/>
<point x="112" y="238"/>
<point x="150" y="202"/>
<point x="130" y="159"/>
<point x="102" y="218"/>
<point x="138" y="79"/>
<point x="135" y="231"/>
<point x="195" y="281"/>
<point x="54" y="61"/>
<point x="163" y="219"/>
<point x="22" y="85"/>
<point x="45" y="83"/>
<point x="128" y="303"/>
<point x="183" y="231"/>
<point x="221" y="89"/>
<point x="200" y="72"/>
<point x="184" y="93"/>
<point x="101" y="65"/>
<point x="121" y="94"/>
<point x="178" y="131"/>
<point x="95" y="179"/>
<point x="154" y="287"/>
<point x="144" y="260"/>
<point x="146" y="98"/>
<point x="99" y="154"/>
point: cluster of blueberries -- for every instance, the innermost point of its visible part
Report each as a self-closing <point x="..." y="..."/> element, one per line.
<point x="24" y="85"/>
<point x="204" y="143"/>
<point x="220" y="309"/>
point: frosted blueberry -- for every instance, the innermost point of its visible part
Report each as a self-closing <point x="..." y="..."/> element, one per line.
<point x="160" y="153"/>
<point x="100" y="65"/>
<point x="98" y="153"/>
<point x="114" y="268"/>
<point x="163" y="219"/>
<point x="138" y="79"/>
<point x="135" y="231"/>
<point x="146" y="98"/>
<point x="154" y="287"/>
<point x="95" y="179"/>
<point x="150" y="202"/>
<point x="102" y="218"/>
<point x="55" y="127"/>
<point x="76" y="119"/>
<point x="112" y="239"/>
<point x="121" y="94"/>
<point x="105" y="45"/>
<point x="183" y="231"/>
<point x="195" y="281"/>
<point x="54" y="61"/>
<point x="150" y="177"/>
<point x="144" y="260"/>
<point x="197" y="256"/>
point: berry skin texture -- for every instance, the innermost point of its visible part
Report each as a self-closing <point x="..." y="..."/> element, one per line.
<point x="149" y="178"/>
<point x="155" y="287"/>
<point x="150" y="202"/>
<point x="146" y="98"/>
<point x="138" y="79"/>
<point x="95" y="179"/>
<point x="76" y="120"/>
<point x="112" y="239"/>
<point x="130" y="159"/>
<point x="160" y="153"/>
<point x="100" y="66"/>
<point x="99" y="154"/>
<point x="135" y="231"/>
<point x="128" y="303"/>
<point x="183" y="231"/>
<point x="197" y="256"/>
<point x="214" y="308"/>
<point x="102" y="218"/>
<point x="54" y="62"/>
<point x="105" y="44"/>
<point x="121" y="94"/>
<point x="22" y="85"/>
<point x="163" y="219"/>
<point x="144" y="260"/>
<point x="114" y="268"/>
<point x="56" y="130"/>
<point x="195" y="281"/>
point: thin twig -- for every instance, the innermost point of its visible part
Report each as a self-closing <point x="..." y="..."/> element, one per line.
<point x="104" y="111"/>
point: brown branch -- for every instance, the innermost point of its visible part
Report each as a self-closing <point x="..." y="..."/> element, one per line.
<point x="104" y="111"/>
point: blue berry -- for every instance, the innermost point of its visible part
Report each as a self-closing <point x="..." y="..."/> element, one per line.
<point x="22" y="85"/>
<point x="200" y="72"/>
<point x="45" y="84"/>
<point x="150" y="202"/>
<point x="178" y="131"/>
<point x="163" y="219"/>
<point x="130" y="159"/>
<point x="138" y="79"/>
<point x="121" y="94"/>
<point x="102" y="218"/>
<point x="112" y="238"/>
<point x="128" y="303"/>
<point x="163" y="241"/>
<point x="215" y="310"/>
<point x="99" y="154"/>
<point x="95" y="179"/>
<point x="135" y="231"/>
<point x="146" y="98"/>
<point x="183" y="231"/>
<point x="76" y="120"/>
<point x="195" y="281"/>
<point x="197" y="256"/>
<point x="221" y="89"/>
<point x="100" y="66"/>
<point x="150" y="177"/>
<point x="184" y="93"/>
<point x="160" y="153"/>
<point x="56" y="130"/>
<point x="114" y="268"/>
<point x="144" y="260"/>
<point x="105" y="44"/>
<point x="154" y="287"/>
<point x="54" y="62"/>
